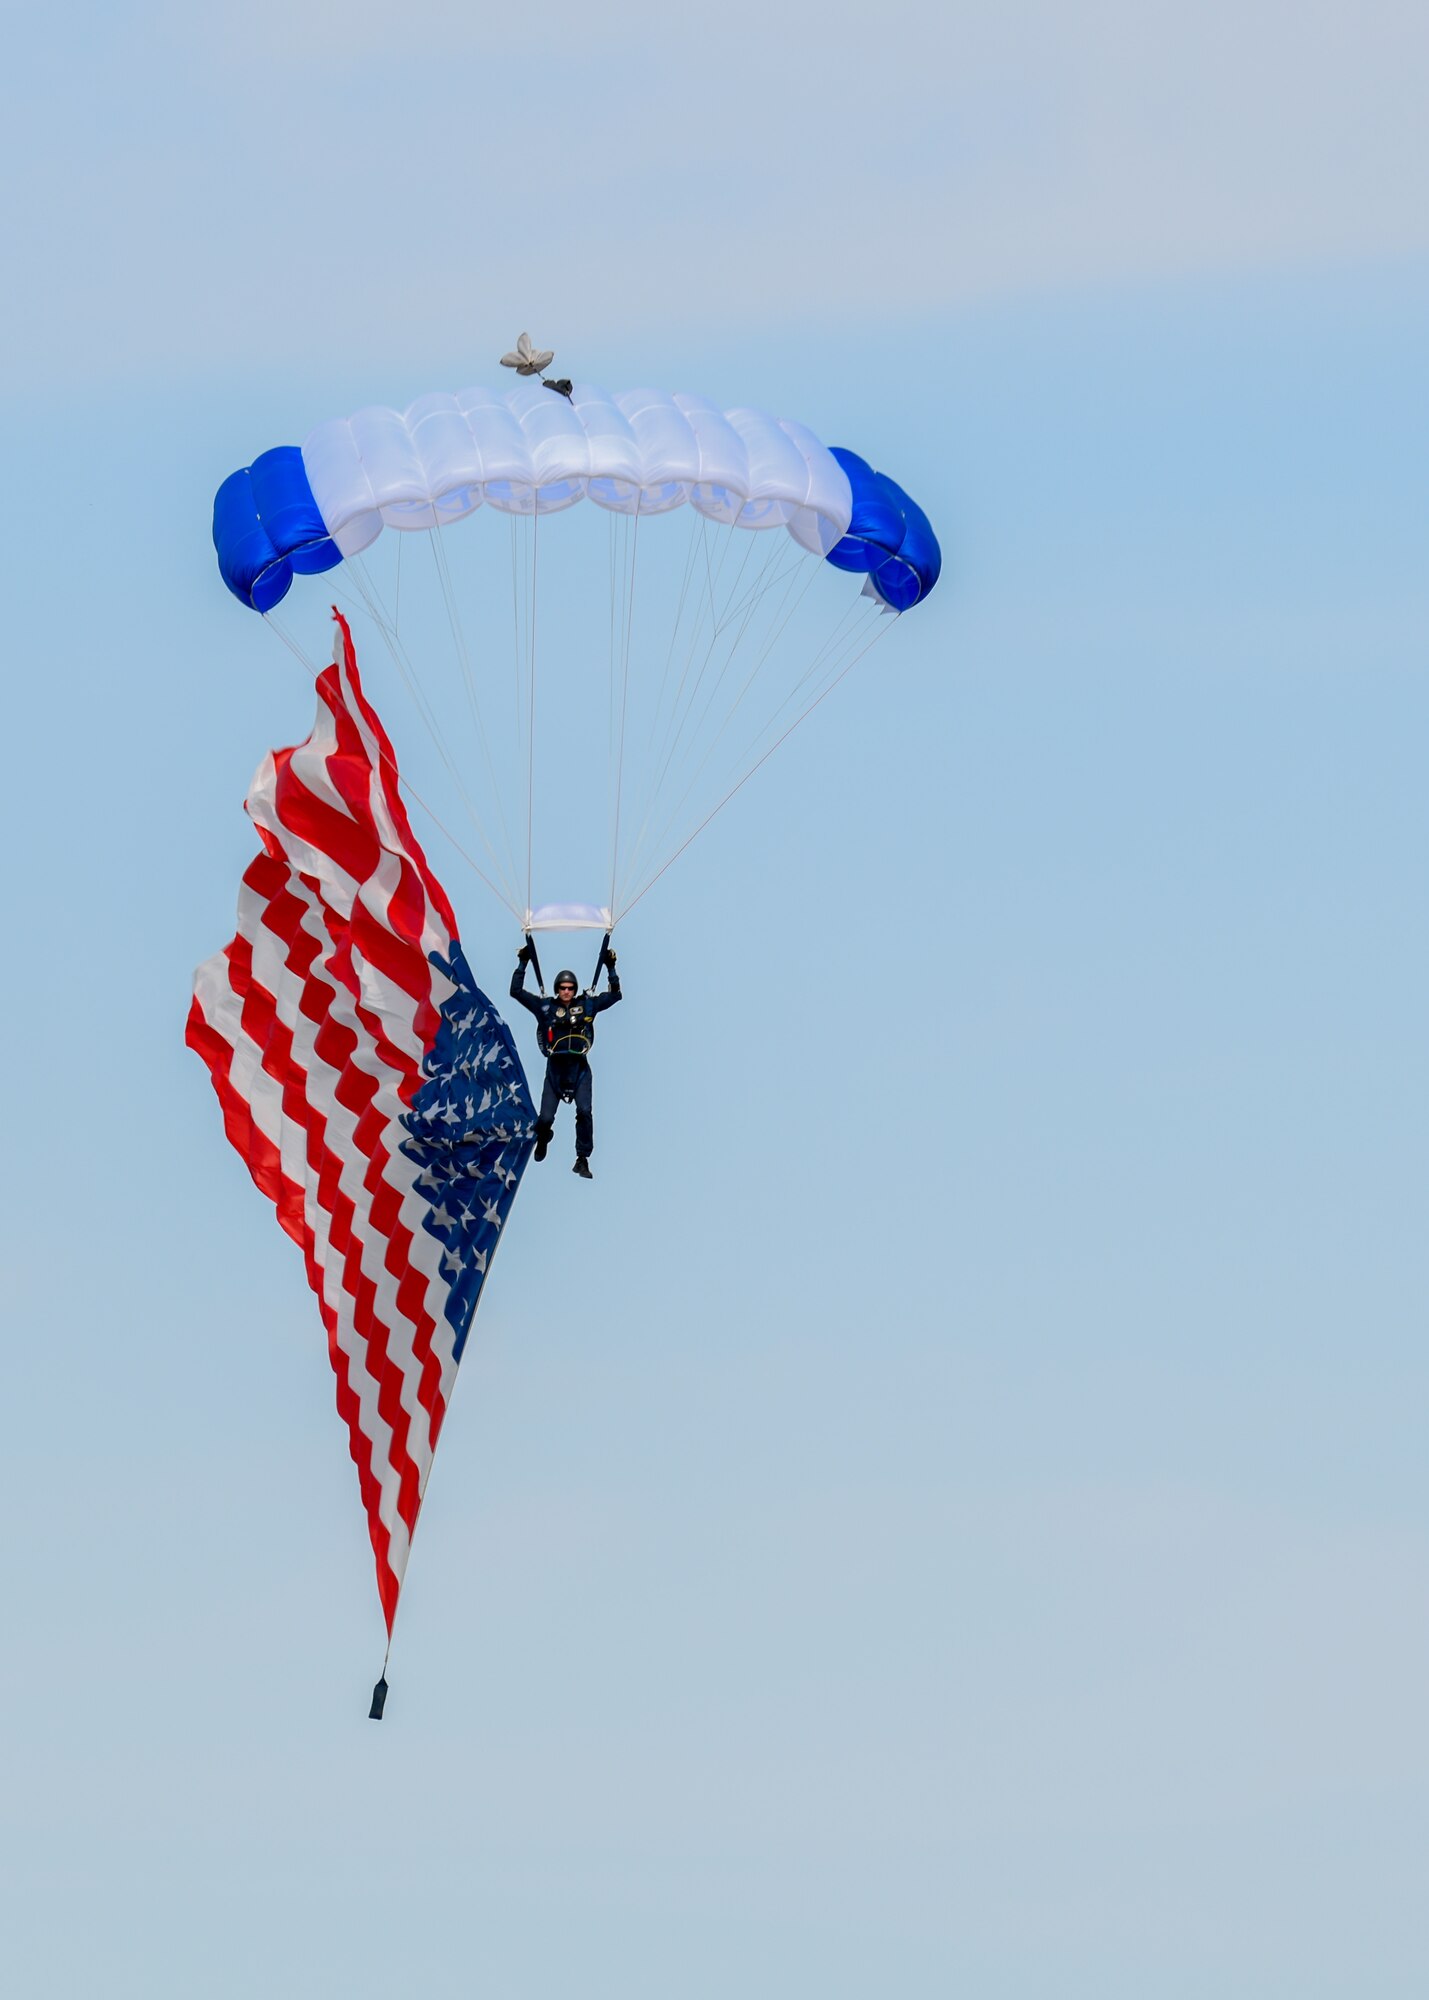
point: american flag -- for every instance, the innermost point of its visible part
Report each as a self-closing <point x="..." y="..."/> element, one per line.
<point x="374" y="1092"/>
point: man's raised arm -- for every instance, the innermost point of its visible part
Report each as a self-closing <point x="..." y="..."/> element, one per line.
<point x="600" y="1001"/>
<point x="518" y="982"/>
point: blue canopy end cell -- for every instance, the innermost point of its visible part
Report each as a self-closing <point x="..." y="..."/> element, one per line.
<point x="267" y="529"/>
<point x="889" y="539"/>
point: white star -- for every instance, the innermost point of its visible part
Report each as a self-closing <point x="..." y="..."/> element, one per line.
<point x="451" y="1261"/>
<point x="443" y="1218"/>
<point x="491" y="1214"/>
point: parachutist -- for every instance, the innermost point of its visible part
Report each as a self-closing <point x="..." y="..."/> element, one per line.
<point x="562" y="388"/>
<point x="565" y="1030"/>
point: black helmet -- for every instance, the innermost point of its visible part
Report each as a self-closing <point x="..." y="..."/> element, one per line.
<point x="561" y="979"/>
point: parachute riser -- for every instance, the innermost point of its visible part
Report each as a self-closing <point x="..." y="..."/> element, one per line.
<point x="535" y="964"/>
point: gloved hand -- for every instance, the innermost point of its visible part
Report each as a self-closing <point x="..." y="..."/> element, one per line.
<point x="525" y="955"/>
<point x="607" y="958"/>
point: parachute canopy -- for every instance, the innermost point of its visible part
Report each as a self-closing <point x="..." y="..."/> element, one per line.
<point x="526" y="451"/>
<point x="719" y="640"/>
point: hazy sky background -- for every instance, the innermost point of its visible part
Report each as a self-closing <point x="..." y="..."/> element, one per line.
<point x="945" y="1512"/>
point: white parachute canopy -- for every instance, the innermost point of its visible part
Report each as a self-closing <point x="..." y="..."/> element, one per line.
<point x="588" y="685"/>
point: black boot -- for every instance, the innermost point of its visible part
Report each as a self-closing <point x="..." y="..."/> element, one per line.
<point x="582" y="1167"/>
<point x="543" y="1140"/>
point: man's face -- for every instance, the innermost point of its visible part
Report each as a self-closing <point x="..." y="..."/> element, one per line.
<point x="566" y="992"/>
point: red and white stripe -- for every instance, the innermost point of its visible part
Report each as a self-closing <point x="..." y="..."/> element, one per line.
<point x="313" y="1022"/>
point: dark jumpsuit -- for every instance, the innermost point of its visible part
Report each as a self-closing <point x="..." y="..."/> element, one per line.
<point x="564" y="1034"/>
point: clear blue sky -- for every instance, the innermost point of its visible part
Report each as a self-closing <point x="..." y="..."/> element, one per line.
<point x="945" y="1513"/>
